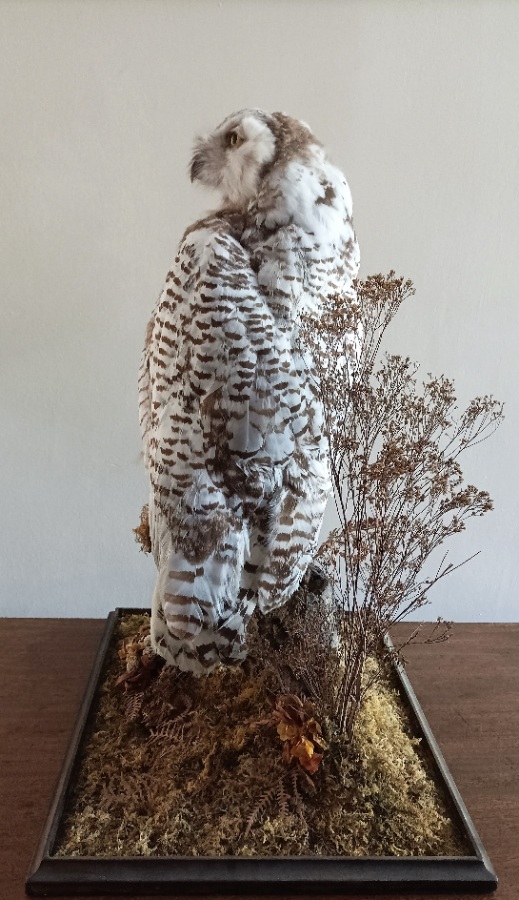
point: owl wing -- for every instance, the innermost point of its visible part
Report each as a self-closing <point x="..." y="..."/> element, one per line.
<point x="245" y="378"/>
<point x="219" y="374"/>
<point x="265" y="414"/>
<point x="144" y="388"/>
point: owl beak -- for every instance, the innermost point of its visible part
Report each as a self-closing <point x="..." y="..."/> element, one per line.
<point x="197" y="164"/>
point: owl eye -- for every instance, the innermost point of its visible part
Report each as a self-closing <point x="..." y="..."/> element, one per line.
<point x="232" y="138"/>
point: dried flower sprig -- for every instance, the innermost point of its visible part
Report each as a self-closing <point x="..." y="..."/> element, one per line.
<point x="394" y="450"/>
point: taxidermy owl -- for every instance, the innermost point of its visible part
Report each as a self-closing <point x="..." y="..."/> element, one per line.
<point x="231" y="420"/>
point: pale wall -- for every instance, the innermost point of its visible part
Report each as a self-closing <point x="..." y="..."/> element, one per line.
<point x="417" y="102"/>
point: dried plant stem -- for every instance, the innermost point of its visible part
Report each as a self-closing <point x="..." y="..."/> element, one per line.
<point x="398" y="486"/>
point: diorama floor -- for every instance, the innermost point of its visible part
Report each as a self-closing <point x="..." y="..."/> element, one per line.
<point x="178" y="765"/>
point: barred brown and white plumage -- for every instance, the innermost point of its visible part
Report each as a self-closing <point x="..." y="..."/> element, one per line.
<point x="231" y="421"/>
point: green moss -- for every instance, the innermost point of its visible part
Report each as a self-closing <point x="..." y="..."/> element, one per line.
<point x="179" y="765"/>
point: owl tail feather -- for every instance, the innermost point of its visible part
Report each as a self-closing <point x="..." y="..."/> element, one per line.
<point x="200" y="613"/>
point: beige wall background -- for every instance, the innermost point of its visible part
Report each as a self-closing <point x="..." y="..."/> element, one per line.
<point x="416" y="101"/>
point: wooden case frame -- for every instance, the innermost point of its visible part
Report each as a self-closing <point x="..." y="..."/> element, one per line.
<point x="51" y="875"/>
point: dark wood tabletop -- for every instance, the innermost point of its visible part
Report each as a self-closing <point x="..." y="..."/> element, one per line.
<point x="468" y="688"/>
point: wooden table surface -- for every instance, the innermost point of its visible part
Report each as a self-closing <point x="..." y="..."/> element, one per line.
<point x="468" y="688"/>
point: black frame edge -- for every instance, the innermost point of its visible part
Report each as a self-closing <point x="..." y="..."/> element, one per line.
<point x="50" y="827"/>
<point x="443" y="769"/>
<point x="55" y="876"/>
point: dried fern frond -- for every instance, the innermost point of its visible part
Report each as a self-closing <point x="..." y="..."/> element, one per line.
<point x="284" y="793"/>
<point x="282" y="797"/>
<point x="133" y="708"/>
<point x="261" y="807"/>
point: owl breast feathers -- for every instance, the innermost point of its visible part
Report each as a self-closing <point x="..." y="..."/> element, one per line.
<point x="231" y="420"/>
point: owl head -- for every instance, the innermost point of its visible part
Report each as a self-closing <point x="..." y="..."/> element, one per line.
<point x="244" y="150"/>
